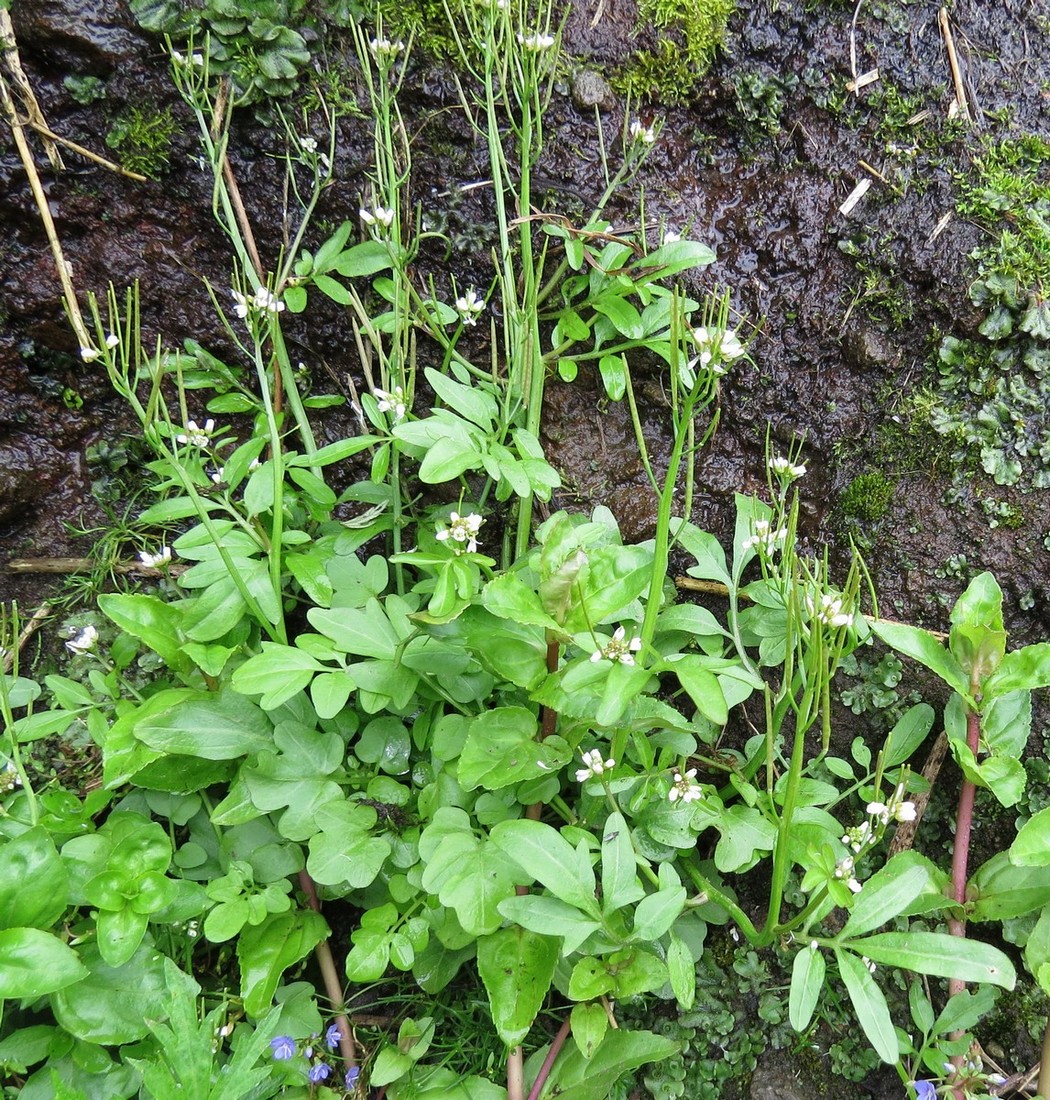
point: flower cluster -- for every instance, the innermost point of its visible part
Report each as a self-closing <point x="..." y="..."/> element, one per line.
<point x="195" y="435"/>
<point x="469" y="306"/>
<point x="462" y="529"/>
<point x="89" y="354"/>
<point x="685" y="787"/>
<point x="536" y="42"/>
<point x="898" y="808"/>
<point x="827" y="609"/>
<point x="9" y="777"/>
<point x="155" y="561"/>
<point x="638" y="131"/>
<point x="284" y="1048"/>
<point x="391" y="401"/>
<point x="766" y="539"/>
<point x="84" y="641"/>
<point x="193" y="59"/>
<point x="858" y="837"/>
<point x="785" y="469"/>
<point x="717" y="347"/>
<point x="262" y="301"/>
<point x="618" y="648"/>
<point x="383" y="47"/>
<point x="593" y="765"/>
<point x="377" y="216"/>
<point x="844" y="870"/>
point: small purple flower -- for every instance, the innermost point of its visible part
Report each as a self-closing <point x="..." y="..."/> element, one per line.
<point x="283" y="1048"/>
<point x="320" y="1072"/>
<point x="333" y="1037"/>
<point x="352" y="1074"/>
<point x="925" y="1090"/>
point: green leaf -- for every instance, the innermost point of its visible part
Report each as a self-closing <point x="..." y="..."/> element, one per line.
<point x="276" y="674"/>
<point x="924" y="648"/>
<point x="939" y="954"/>
<point x="613" y="370"/>
<point x="589" y="1024"/>
<point x="366" y="258"/>
<point x="702" y="686"/>
<point x="681" y="970"/>
<point x="364" y="631"/>
<point x="502" y="748"/>
<point x="471" y="402"/>
<point x="1004" y="890"/>
<point x="873" y="1015"/>
<point x="266" y="950"/>
<point x="344" y="853"/>
<point x="807" y="981"/>
<point x="708" y="553"/>
<point x="965" y="1010"/>
<point x="885" y="895"/>
<point x="447" y="458"/>
<point x="977" y="638"/>
<point x="34" y="962"/>
<point x="119" y="933"/>
<point x="575" y="1077"/>
<point x="516" y="967"/>
<point x="34" y="884"/>
<point x="908" y="734"/>
<point x="548" y="857"/>
<point x="507" y="597"/>
<point x="674" y="257"/>
<point x="550" y="917"/>
<point x="656" y="913"/>
<point x="151" y="621"/>
<point x="1020" y="670"/>
<point x="620" y="884"/>
<point x="295" y="299"/>
<point x="1031" y="846"/>
<point x="625" y="318"/>
<point x="218" y="725"/>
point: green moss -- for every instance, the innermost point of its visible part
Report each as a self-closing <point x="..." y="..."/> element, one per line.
<point x="690" y="33"/>
<point x="141" y="137"/>
<point x="867" y="497"/>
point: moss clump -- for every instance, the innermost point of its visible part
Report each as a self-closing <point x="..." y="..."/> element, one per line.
<point x="867" y="497"/>
<point x="142" y="137"/>
<point x="690" y="33"/>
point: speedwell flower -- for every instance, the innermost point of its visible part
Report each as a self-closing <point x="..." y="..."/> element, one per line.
<point x="83" y="642"/>
<point x="333" y="1036"/>
<point x="593" y="765"/>
<point x="685" y="787"/>
<point x="283" y="1047"/>
<point x="462" y="529"/>
<point x="319" y="1072"/>
<point x="617" y="648"/>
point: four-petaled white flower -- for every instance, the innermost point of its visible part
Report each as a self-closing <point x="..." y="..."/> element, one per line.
<point x="469" y="305"/>
<point x="89" y="355"/>
<point x="112" y="340"/>
<point x="155" y="561"/>
<point x="392" y="401"/>
<point x="827" y="609"/>
<point x="844" y="870"/>
<point x="784" y="468"/>
<point x="672" y="235"/>
<point x="263" y="300"/>
<point x="462" y="529"/>
<point x="308" y="144"/>
<point x="717" y="347"/>
<point x="195" y="435"/>
<point x="593" y="765"/>
<point x="638" y="131"/>
<point x="765" y="539"/>
<point x="83" y="642"/>
<point x="899" y="808"/>
<point x="181" y="59"/>
<point x="536" y="42"/>
<point x="617" y="648"/>
<point x="685" y="787"/>
<point x="383" y="47"/>
<point x="378" y="215"/>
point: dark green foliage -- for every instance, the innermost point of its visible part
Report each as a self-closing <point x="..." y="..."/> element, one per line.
<point x="142" y="137"/>
<point x="867" y="497"/>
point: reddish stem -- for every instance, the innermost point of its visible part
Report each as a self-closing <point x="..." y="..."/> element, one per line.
<point x="548" y="1062"/>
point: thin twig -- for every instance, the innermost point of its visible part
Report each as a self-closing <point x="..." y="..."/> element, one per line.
<point x="86" y="565"/>
<point x="953" y="62"/>
<point x="548" y="1062"/>
<point x="38" y="619"/>
<point x="14" y="66"/>
<point x="47" y="132"/>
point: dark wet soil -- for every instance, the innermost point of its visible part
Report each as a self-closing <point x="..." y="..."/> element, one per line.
<point x="831" y="363"/>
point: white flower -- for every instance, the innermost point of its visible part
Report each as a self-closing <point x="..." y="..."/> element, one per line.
<point x="383" y="47"/>
<point x="463" y="529"/>
<point x="717" y="347"/>
<point x="86" y="640"/>
<point x="196" y="436"/>
<point x="469" y="305"/>
<point x="898" y="807"/>
<point x="377" y="216"/>
<point x="265" y="299"/>
<point x="9" y="777"/>
<point x="154" y="561"/>
<point x="827" y="609"/>
<point x="784" y="468"/>
<point x="618" y="649"/>
<point x="640" y="132"/>
<point x="89" y="355"/>
<point x="765" y="539"/>
<point x="671" y="235"/>
<point x="857" y="837"/>
<point x="593" y="765"/>
<point x="218" y="475"/>
<point x="112" y="340"/>
<point x="844" y="870"/>
<point x="241" y="304"/>
<point x="536" y="42"/>
<point x="391" y="402"/>
<point x="308" y="144"/>
<point x="685" y="787"/>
